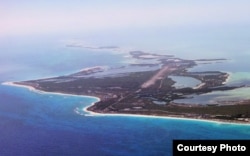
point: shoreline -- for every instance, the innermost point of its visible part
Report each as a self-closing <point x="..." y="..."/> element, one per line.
<point x="228" y="78"/>
<point x="44" y="92"/>
<point x="91" y="113"/>
<point x="160" y="117"/>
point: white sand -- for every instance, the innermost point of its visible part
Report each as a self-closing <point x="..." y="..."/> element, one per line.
<point x="228" y="78"/>
<point x="43" y="92"/>
<point x="90" y="113"/>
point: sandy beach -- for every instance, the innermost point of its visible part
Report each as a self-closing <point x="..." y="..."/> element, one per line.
<point x="43" y="92"/>
<point x="90" y="113"/>
<point x="228" y="78"/>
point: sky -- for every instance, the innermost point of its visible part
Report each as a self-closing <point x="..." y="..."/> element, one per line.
<point x="92" y="16"/>
<point x="193" y="28"/>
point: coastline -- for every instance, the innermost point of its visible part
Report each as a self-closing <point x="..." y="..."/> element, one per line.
<point x="91" y="113"/>
<point x="228" y="78"/>
<point x="30" y="88"/>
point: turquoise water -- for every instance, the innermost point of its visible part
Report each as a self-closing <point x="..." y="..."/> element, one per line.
<point x="46" y="124"/>
<point x="184" y="81"/>
<point x="239" y="75"/>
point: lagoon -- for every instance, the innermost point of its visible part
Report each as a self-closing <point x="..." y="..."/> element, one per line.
<point x="185" y="82"/>
<point x="47" y="124"/>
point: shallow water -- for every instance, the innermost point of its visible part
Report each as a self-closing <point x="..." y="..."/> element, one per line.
<point x="184" y="81"/>
<point x="47" y="124"/>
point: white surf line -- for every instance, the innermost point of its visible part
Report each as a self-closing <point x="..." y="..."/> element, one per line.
<point x="90" y="113"/>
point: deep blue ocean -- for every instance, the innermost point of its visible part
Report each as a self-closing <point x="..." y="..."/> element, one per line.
<point x="34" y="124"/>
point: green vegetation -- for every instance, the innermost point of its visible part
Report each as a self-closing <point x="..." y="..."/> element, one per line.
<point x="148" y="92"/>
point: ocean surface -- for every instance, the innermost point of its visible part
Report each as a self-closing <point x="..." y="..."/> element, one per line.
<point x="38" y="124"/>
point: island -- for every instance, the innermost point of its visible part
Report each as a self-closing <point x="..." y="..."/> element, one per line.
<point x="146" y="88"/>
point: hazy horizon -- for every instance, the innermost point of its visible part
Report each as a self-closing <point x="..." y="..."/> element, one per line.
<point x="57" y="17"/>
<point x="209" y="27"/>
